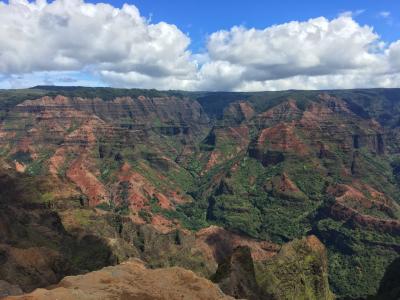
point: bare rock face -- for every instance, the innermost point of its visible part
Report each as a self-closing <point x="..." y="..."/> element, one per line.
<point x="131" y="280"/>
<point x="218" y="244"/>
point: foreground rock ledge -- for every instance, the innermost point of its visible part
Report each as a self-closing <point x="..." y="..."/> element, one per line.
<point x="131" y="280"/>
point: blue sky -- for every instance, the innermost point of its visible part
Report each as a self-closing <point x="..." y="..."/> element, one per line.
<point x="198" y="45"/>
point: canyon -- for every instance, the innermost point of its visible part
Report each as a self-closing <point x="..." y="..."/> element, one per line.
<point x="263" y="195"/>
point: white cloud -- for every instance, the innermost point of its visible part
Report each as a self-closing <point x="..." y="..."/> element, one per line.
<point x="74" y="35"/>
<point x="352" y="14"/>
<point x="393" y="54"/>
<point x="340" y="81"/>
<point x="119" y="47"/>
<point x="385" y="14"/>
<point x="318" y="53"/>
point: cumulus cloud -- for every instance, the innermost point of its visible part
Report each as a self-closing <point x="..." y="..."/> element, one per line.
<point x="119" y="47"/>
<point x="315" y="48"/>
<point x="74" y="35"/>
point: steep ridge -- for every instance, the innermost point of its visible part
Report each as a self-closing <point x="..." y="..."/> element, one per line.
<point x="35" y="248"/>
<point x="267" y="168"/>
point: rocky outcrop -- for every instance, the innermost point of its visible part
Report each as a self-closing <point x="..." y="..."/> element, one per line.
<point x="283" y="187"/>
<point x="274" y="142"/>
<point x="298" y="271"/>
<point x="238" y="112"/>
<point x="219" y="244"/>
<point x="131" y="280"/>
<point x="79" y="173"/>
<point x="283" y="112"/>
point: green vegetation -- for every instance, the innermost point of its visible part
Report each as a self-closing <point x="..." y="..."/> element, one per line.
<point x="145" y="215"/>
<point x="241" y="204"/>
<point x="109" y="159"/>
<point x="299" y="271"/>
<point x="10" y="98"/>
<point x="39" y="166"/>
<point x="105" y="206"/>
<point x="279" y="200"/>
<point x="237" y="214"/>
<point x="47" y="198"/>
<point x="195" y="167"/>
<point x="308" y="178"/>
<point x="62" y="171"/>
<point x="356" y="262"/>
<point x="84" y="217"/>
<point x="23" y="157"/>
<point x="191" y="216"/>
